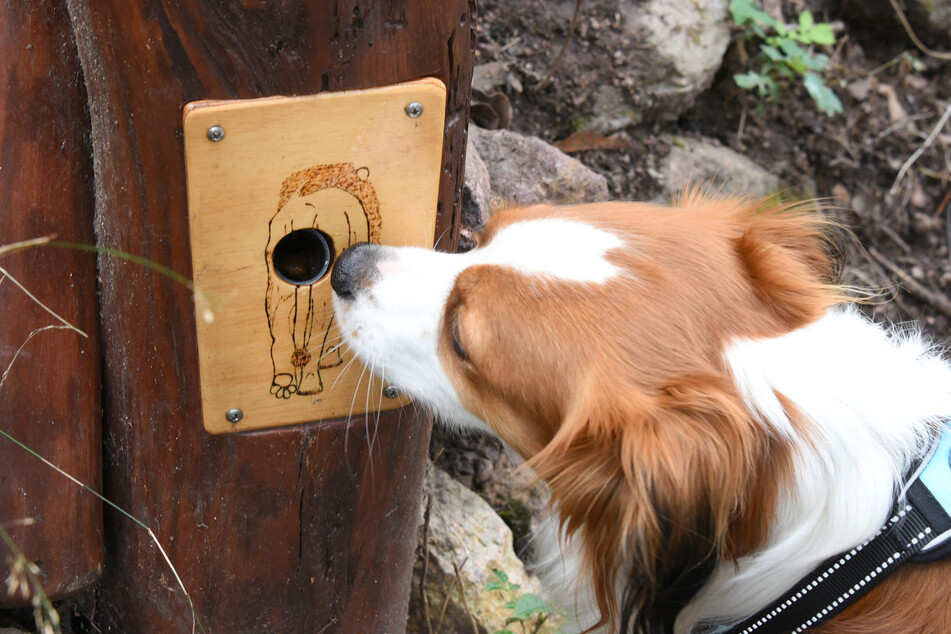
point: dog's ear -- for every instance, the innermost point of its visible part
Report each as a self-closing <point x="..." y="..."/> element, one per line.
<point x="655" y="488"/>
<point x="786" y="254"/>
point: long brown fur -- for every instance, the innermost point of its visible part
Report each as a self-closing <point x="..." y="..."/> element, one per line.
<point x="623" y="405"/>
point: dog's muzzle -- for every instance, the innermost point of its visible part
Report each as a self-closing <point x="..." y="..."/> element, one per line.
<point x="355" y="269"/>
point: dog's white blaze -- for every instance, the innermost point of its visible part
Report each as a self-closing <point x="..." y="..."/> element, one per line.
<point x="553" y="247"/>
<point x="394" y="325"/>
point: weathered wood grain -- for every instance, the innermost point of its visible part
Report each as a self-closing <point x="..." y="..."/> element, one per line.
<point x="305" y="529"/>
<point x="51" y="399"/>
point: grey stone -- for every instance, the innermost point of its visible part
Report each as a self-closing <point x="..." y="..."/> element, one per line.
<point x="683" y="46"/>
<point x="930" y="19"/>
<point x="476" y="197"/>
<point x="490" y="77"/>
<point x="611" y="111"/>
<point x="464" y="534"/>
<point x="703" y="161"/>
<point x="524" y="170"/>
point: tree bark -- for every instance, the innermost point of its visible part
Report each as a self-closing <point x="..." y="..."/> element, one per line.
<point x="50" y="401"/>
<point x="310" y="528"/>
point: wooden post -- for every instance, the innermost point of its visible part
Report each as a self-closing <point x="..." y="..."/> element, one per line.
<point x="51" y="398"/>
<point x="310" y="528"/>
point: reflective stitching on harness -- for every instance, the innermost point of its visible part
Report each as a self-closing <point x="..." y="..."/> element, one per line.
<point x="812" y="585"/>
<point x="910" y="532"/>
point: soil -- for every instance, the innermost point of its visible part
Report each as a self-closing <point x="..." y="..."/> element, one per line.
<point x="893" y="97"/>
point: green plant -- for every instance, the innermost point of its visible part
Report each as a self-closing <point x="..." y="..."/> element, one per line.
<point x="787" y="54"/>
<point x="529" y="611"/>
<point x="24" y="579"/>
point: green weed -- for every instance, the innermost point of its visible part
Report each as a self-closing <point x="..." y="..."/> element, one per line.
<point x="530" y="612"/>
<point x="787" y="53"/>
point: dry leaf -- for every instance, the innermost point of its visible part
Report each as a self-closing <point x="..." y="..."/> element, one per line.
<point x="589" y="140"/>
<point x="895" y="111"/>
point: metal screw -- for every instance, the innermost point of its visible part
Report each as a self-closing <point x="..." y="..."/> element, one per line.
<point x="216" y="133"/>
<point x="391" y="392"/>
<point x="234" y="415"/>
<point x="414" y="109"/>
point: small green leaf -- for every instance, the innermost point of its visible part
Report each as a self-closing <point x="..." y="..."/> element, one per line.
<point x="792" y="49"/>
<point x="499" y="574"/>
<point x="806" y="21"/>
<point x="745" y="11"/>
<point x="815" y="62"/>
<point x="504" y="632"/>
<point x="494" y="585"/>
<point x="772" y="53"/>
<point x="822" y="34"/>
<point x="529" y="604"/>
<point x="748" y="80"/>
<point x="826" y="100"/>
<point x="758" y="31"/>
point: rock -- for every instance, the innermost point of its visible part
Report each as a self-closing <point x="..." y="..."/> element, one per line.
<point x="524" y="170"/>
<point x="465" y="531"/>
<point x="683" y="43"/>
<point x="703" y="161"/>
<point x="506" y="168"/>
<point x="930" y="19"/>
<point x="476" y="197"/>
<point x="489" y="77"/>
<point x="611" y="111"/>
<point x="937" y="13"/>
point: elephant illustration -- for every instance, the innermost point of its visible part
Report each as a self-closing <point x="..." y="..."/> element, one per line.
<point x="321" y="211"/>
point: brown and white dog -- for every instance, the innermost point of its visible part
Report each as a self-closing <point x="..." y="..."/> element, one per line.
<point x="712" y="420"/>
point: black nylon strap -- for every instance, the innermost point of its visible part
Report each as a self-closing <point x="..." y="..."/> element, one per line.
<point x="843" y="579"/>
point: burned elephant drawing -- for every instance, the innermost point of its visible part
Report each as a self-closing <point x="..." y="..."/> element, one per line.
<point x="320" y="212"/>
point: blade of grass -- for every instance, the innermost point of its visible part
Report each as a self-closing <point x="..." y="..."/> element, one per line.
<point x="118" y="508"/>
<point x="207" y="313"/>
<point x="129" y="257"/>
<point x="4" y="274"/>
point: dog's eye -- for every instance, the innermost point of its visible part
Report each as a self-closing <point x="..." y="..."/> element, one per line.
<point x="457" y="346"/>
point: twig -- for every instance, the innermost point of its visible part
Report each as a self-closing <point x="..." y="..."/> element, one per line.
<point x="4" y="274"/>
<point x="465" y="604"/>
<point x="914" y="38"/>
<point x="740" y="129"/>
<point x="893" y="235"/>
<point x="7" y="249"/>
<point x="564" y="47"/>
<point x="921" y="150"/>
<point x="3" y="378"/>
<point x="445" y="605"/>
<point x="422" y="582"/>
<point x="913" y="286"/>
<point x="542" y="618"/>
<point x="943" y="205"/>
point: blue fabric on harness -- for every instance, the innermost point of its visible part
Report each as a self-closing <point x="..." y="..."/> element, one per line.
<point x="919" y="531"/>
<point x="936" y="477"/>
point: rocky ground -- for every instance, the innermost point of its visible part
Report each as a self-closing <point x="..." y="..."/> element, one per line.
<point x="641" y="93"/>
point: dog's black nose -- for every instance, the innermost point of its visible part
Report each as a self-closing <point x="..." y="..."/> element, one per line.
<point x="355" y="269"/>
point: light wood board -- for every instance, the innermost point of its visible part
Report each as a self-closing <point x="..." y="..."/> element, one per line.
<point x="353" y="165"/>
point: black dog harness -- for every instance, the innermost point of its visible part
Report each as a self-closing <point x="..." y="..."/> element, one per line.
<point x="918" y="531"/>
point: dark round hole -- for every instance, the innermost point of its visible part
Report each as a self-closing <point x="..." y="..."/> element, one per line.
<point x="304" y="256"/>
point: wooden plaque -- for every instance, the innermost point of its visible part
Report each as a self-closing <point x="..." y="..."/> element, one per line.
<point x="276" y="188"/>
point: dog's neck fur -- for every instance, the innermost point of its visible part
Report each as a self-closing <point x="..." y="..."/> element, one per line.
<point x="861" y="394"/>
